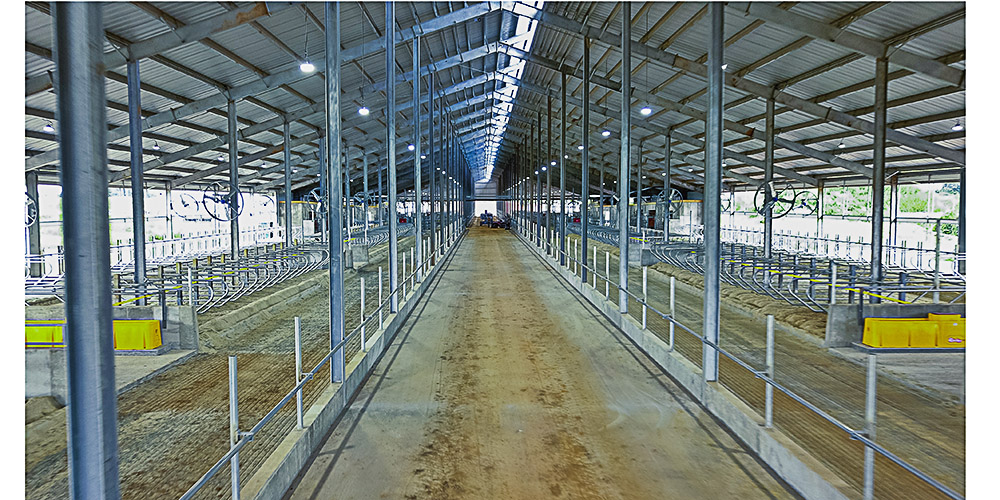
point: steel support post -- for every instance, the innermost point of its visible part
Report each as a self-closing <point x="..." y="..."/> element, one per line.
<point x="381" y="193"/>
<point x="871" y="412"/>
<point x="768" y="177"/>
<point x="390" y="145"/>
<point x="135" y="167"/>
<point x="349" y="210"/>
<point x="878" y="171"/>
<point x="562" y="171"/>
<point x="638" y="188"/>
<point x="548" y="176"/>
<point x="713" y="193"/>
<point x="961" y="220"/>
<point x="323" y="183"/>
<point x="233" y="209"/>
<point x="92" y="414"/>
<point x="364" y="185"/>
<point x="585" y="161"/>
<point x="418" y="193"/>
<point x="538" y="182"/>
<point x="335" y="164"/>
<point x="288" y="184"/>
<point x="626" y="146"/>
<point x="893" y="211"/>
<point x="445" y="144"/>
<point x="431" y="156"/>
<point x="34" y="230"/>
<point x="666" y="189"/>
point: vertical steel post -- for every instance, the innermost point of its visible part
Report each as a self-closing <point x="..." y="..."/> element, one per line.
<point x="431" y="155"/>
<point x="585" y="161"/>
<point x="768" y="177"/>
<point x="299" y="422"/>
<point x="335" y="164"/>
<point x="713" y="193"/>
<point x="638" y="190"/>
<point x="870" y="418"/>
<point x="666" y="189"/>
<point x="548" y="175"/>
<point x="936" y="296"/>
<point x="961" y="220"/>
<point x="418" y="190"/>
<point x="390" y="145"/>
<point x="381" y="193"/>
<point x="34" y="230"/>
<point x="364" y="340"/>
<point x="364" y="185"/>
<point x="562" y="171"/>
<point x="288" y="184"/>
<point x="538" y="182"/>
<point x="234" y="430"/>
<point x="878" y="171"/>
<point x="673" y="284"/>
<point x="626" y="146"/>
<point x="645" y="296"/>
<point x="234" y="184"/>
<point x="136" y="171"/>
<point x="323" y="184"/>
<point x="92" y="415"/>
<point x="443" y="169"/>
<point x="769" y="368"/>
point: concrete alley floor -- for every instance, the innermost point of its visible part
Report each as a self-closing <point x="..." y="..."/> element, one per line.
<point x="504" y="384"/>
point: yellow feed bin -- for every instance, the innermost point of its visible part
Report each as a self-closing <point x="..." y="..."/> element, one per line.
<point x="935" y="331"/>
<point x="129" y="334"/>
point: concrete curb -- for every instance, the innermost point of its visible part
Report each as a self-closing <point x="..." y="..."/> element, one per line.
<point x="789" y="461"/>
<point x="281" y="468"/>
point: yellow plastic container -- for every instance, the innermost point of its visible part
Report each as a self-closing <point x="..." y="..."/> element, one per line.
<point x="937" y="330"/>
<point x="129" y="334"/>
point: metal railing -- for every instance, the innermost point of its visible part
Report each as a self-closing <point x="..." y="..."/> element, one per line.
<point x="864" y="436"/>
<point x="240" y="439"/>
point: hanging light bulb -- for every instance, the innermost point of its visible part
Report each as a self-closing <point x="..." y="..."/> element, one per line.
<point x="423" y="157"/>
<point x="49" y="128"/>
<point x="724" y="66"/>
<point x="958" y="126"/>
<point x="605" y="133"/>
<point x="580" y="147"/>
<point x="553" y="163"/>
<point x="220" y="158"/>
<point x="410" y="147"/>
<point x="645" y="111"/>
<point x="543" y="169"/>
<point x="307" y="67"/>
<point x="156" y="147"/>
<point x="723" y="163"/>
<point x="363" y="110"/>
<point x="841" y="145"/>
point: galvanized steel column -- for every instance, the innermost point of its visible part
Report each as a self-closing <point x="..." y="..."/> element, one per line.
<point x="666" y="188"/>
<point x="324" y="197"/>
<point x="380" y="192"/>
<point x="443" y="168"/>
<point x="961" y="219"/>
<point x="768" y="176"/>
<point x="234" y="184"/>
<point x="538" y="183"/>
<point x="390" y="147"/>
<point x="548" y="176"/>
<point x="562" y="172"/>
<point x="431" y="155"/>
<point x="34" y="230"/>
<point x="585" y="161"/>
<point x="364" y="185"/>
<point x="878" y="171"/>
<point x="135" y="168"/>
<point x="418" y="192"/>
<point x="288" y="184"/>
<point x="335" y="164"/>
<point x="626" y="140"/>
<point x="92" y="413"/>
<point x="638" y="190"/>
<point x="713" y="193"/>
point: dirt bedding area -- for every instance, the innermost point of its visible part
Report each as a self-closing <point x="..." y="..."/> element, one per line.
<point x="173" y="427"/>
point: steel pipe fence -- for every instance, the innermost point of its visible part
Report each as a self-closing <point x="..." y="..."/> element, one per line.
<point x="368" y="319"/>
<point x="765" y="374"/>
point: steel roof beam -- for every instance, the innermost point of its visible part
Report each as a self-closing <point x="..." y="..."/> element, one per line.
<point x="730" y="80"/>
<point x="172" y="39"/>
<point x="852" y="41"/>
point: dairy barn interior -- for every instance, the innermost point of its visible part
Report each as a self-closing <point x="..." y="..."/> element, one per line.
<point x="495" y="250"/>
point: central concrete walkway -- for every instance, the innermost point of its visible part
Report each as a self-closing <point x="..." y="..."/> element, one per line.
<point x="504" y="384"/>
